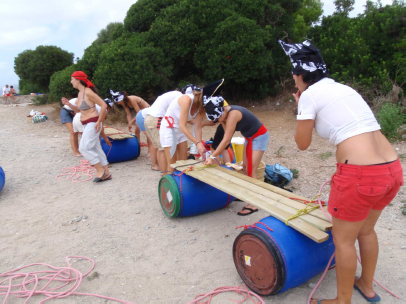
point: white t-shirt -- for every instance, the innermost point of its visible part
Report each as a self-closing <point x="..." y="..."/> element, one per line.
<point x="161" y="104"/>
<point x="174" y="112"/>
<point x="72" y="102"/>
<point x="6" y="90"/>
<point x="339" y="111"/>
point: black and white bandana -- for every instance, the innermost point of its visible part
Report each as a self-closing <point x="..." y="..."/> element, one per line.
<point x="117" y="96"/>
<point x="108" y="102"/>
<point x="188" y="89"/>
<point x="214" y="107"/>
<point x="299" y="56"/>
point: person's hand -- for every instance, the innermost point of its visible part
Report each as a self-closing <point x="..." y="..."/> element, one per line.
<point x="65" y="101"/>
<point x="129" y="128"/>
<point x="209" y="161"/>
<point x="297" y="96"/>
<point x="108" y="142"/>
<point x="97" y="126"/>
<point x="201" y="148"/>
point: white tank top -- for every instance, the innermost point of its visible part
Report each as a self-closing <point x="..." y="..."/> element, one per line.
<point x="161" y="104"/>
<point x="338" y="111"/>
<point x="174" y="112"/>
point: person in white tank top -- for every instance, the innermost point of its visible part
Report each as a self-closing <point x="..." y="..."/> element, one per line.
<point x="368" y="175"/>
<point x="173" y="130"/>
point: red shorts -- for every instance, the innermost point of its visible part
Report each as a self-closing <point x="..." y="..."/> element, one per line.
<point x="355" y="190"/>
<point x="7" y="94"/>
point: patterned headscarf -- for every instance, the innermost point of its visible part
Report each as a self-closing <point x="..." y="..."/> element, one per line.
<point x="188" y="89"/>
<point x="117" y="96"/>
<point x="299" y="56"/>
<point x="108" y="102"/>
<point x="79" y="75"/>
<point x="214" y="107"/>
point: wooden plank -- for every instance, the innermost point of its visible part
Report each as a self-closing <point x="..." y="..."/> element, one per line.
<point x="261" y="193"/>
<point x="254" y="186"/>
<point x="246" y="195"/>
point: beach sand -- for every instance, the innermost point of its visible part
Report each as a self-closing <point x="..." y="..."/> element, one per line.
<point x="141" y="255"/>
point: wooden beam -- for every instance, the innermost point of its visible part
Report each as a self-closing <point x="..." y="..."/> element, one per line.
<point x="261" y="202"/>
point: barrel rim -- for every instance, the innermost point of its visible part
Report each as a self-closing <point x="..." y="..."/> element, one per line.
<point x="176" y="195"/>
<point x="269" y="243"/>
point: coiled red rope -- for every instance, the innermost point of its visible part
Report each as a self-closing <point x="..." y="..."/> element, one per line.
<point x="242" y="290"/>
<point x="68" y="278"/>
<point x="75" y="173"/>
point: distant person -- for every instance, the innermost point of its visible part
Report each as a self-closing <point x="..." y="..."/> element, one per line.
<point x="13" y="92"/>
<point x="90" y="146"/>
<point x="6" y="93"/>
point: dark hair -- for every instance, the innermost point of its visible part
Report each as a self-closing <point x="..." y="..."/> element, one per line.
<point x="126" y="100"/>
<point x="315" y="76"/>
<point x="93" y="88"/>
<point x="11" y="87"/>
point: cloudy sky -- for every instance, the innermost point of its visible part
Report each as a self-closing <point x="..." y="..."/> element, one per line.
<point x="71" y="25"/>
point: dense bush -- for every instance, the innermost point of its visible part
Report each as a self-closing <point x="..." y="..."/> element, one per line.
<point x="391" y="118"/>
<point x="60" y="84"/>
<point x="36" y="67"/>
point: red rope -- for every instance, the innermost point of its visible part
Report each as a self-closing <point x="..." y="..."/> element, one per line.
<point x="68" y="277"/>
<point x="76" y="172"/>
<point x="323" y="203"/>
<point x="242" y="290"/>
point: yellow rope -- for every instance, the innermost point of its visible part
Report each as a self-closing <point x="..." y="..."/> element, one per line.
<point x="304" y="211"/>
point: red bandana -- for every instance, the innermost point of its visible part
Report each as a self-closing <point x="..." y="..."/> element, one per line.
<point x="82" y="76"/>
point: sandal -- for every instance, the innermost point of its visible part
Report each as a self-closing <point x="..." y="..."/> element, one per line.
<point x="376" y="298"/>
<point x="246" y="208"/>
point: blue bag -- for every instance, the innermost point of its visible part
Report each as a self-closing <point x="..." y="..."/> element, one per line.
<point x="278" y="175"/>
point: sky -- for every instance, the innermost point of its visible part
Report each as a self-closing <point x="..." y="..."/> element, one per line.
<point x="71" y="25"/>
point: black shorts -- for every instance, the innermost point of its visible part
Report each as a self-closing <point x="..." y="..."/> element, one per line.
<point x="218" y="137"/>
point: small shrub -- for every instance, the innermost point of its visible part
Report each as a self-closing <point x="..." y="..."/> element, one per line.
<point x="295" y="173"/>
<point x="279" y="152"/>
<point x="391" y="118"/>
<point x="41" y="99"/>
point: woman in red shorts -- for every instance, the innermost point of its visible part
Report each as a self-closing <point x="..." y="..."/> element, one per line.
<point x="369" y="173"/>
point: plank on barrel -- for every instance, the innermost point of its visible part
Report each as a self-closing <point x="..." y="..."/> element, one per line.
<point x="236" y="178"/>
<point x="245" y="195"/>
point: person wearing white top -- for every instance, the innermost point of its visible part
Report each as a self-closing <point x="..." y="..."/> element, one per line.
<point x="6" y="93"/>
<point x="369" y="173"/>
<point x="68" y="112"/>
<point x="153" y="122"/>
<point x="174" y="133"/>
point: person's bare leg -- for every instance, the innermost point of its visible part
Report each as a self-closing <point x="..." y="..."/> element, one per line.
<point x="137" y="133"/>
<point x="162" y="159"/>
<point x="14" y="99"/>
<point x="6" y="98"/>
<point x="73" y="139"/>
<point x="369" y="250"/>
<point x="181" y="151"/>
<point x="226" y="157"/>
<point x="76" y="142"/>
<point x="256" y="160"/>
<point x="170" y="160"/>
<point x="152" y="151"/>
<point x="100" y="170"/>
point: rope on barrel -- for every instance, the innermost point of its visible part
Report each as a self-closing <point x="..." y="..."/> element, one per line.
<point x="304" y="211"/>
<point x="242" y="290"/>
<point x="27" y="285"/>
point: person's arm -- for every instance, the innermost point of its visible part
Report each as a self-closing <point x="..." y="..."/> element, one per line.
<point x="134" y="101"/>
<point x="74" y="107"/>
<point x="129" y="120"/>
<point x="184" y="103"/>
<point x="106" y="139"/>
<point x="93" y="97"/>
<point x="303" y="134"/>
<point x="198" y="133"/>
<point x="233" y="118"/>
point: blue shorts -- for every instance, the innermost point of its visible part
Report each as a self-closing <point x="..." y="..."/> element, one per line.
<point x="66" y="117"/>
<point x="140" y="121"/>
<point x="260" y="143"/>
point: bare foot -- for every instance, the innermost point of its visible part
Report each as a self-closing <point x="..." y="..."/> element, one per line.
<point x="155" y="167"/>
<point x="77" y="155"/>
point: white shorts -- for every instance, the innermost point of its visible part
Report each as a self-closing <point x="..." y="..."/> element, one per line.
<point x="77" y="124"/>
<point x="165" y="136"/>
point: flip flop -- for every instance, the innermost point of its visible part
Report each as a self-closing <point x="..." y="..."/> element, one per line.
<point x="246" y="208"/>
<point x="318" y="301"/>
<point x="374" y="299"/>
<point x="154" y="169"/>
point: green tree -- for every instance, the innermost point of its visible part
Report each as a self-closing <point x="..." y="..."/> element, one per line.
<point x="308" y="14"/>
<point x="60" y="84"/>
<point x="111" y="32"/>
<point x="37" y="66"/>
<point x="344" y="6"/>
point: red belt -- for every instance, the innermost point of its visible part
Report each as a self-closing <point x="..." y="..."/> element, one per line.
<point x="93" y="119"/>
<point x="262" y="130"/>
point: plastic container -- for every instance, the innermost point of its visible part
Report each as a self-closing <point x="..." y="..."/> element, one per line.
<point x="238" y="147"/>
<point x="270" y="262"/>
<point x="192" y="198"/>
<point x="121" y="150"/>
<point x="2" y="179"/>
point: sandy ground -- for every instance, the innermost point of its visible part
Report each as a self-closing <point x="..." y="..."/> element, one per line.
<point x="141" y="255"/>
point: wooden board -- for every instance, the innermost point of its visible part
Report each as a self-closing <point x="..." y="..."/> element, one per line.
<point x="278" y="210"/>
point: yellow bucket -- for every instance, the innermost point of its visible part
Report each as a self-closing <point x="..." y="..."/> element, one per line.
<point x="238" y="147"/>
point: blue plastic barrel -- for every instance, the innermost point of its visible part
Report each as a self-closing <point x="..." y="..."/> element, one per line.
<point x="121" y="150"/>
<point x="270" y="262"/>
<point x="192" y="198"/>
<point x="2" y="178"/>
